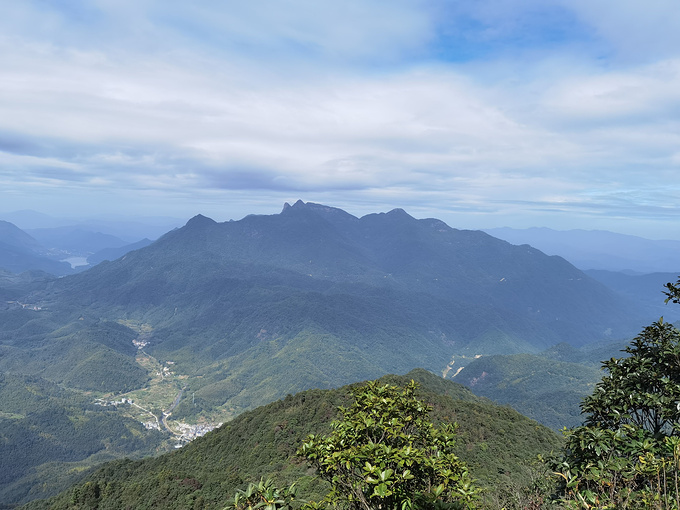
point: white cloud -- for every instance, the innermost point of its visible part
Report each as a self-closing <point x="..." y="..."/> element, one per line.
<point x="647" y="93"/>
<point x="636" y="31"/>
<point x="199" y="101"/>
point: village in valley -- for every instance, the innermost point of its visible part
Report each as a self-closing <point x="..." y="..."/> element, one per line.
<point x="164" y="391"/>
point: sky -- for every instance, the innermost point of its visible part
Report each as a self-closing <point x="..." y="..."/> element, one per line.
<point x="486" y="113"/>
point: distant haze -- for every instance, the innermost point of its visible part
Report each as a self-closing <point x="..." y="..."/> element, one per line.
<point x="596" y="249"/>
<point x="586" y="249"/>
<point x="129" y="228"/>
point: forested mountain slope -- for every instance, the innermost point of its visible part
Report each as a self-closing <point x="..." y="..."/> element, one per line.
<point x="497" y="443"/>
<point x="544" y="389"/>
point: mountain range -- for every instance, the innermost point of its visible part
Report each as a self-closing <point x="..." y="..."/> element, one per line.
<point x="128" y="229"/>
<point x="599" y="249"/>
<point x="213" y="319"/>
<point x="58" y="250"/>
<point x="381" y="293"/>
<point x="315" y="297"/>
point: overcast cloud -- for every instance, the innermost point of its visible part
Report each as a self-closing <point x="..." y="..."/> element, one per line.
<point x="489" y="113"/>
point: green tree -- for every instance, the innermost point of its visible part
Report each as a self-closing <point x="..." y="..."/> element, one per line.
<point x="265" y="495"/>
<point x="626" y="453"/>
<point x="385" y="453"/>
<point x="673" y="292"/>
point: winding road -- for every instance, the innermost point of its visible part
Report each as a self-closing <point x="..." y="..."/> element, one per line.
<point x="169" y="412"/>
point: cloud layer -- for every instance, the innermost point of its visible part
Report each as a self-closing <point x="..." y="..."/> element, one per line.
<point x="500" y="112"/>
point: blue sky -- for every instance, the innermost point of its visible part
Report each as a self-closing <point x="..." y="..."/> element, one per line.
<point x="486" y="113"/>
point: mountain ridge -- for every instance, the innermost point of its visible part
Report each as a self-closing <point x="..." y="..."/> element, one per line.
<point x="356" y="249"/>
<point x="244" y="312"/>
<point x="381" y="293"/>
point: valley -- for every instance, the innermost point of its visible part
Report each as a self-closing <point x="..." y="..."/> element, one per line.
<point x="152" y="405"/>
<point x="140" y="355"/>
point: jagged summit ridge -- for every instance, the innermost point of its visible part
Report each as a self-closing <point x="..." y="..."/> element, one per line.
<point x="335" y="214"/>
<point x="316" y="208"/>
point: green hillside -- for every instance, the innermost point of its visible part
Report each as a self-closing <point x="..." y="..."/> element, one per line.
<point x="84" y="354"/>
<point x="51" y="435"/>
<point x="496" y="442"/>
<point x="545" y="389"/>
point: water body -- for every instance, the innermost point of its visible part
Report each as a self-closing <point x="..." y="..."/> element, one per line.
<point x="76" y="261"/>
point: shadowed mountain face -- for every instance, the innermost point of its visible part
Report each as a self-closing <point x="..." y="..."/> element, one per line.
<point x="313" y="248"/>
<point x="385" y="291"/>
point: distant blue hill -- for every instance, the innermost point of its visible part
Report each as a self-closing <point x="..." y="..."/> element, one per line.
<point x="20" y="252"/>
<point x="75" y="241"/>
<point x="116" y="253"/>
<point x="128" y="229"/>
<point x="599" y="249"/>
<point x="646" y="290"/>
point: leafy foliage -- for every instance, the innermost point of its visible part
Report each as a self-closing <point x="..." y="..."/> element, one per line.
<point x="642" y="389"/>
<point x="264" y="494"/>
<point x="673" y="292"/>
<point x="627" y="453"/>
<point x="385" y="453"/>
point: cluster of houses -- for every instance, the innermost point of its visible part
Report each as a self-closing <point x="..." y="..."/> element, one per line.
<point x="140" y="343"/>
<point x="194" y="431"/>
<point x="191" y="432"/>
<point x="102" y="402"/>
<point x="187" y="433"/>
<point x="25" y="306"/>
